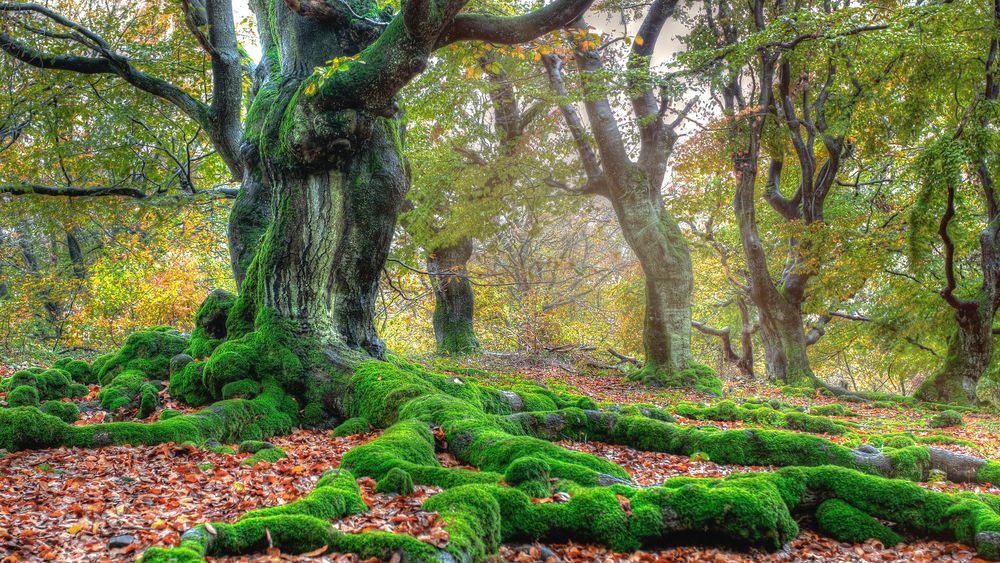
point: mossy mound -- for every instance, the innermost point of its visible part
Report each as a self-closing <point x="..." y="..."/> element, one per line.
<point x="351" y="426"/>
<point x="396" y="481"/>
<point x="697" y="376"/>
<point x="210" y="324"/>
<point x="23" y="396"/>
<point x="78" y="370"/>
<point x="946" y="419"/>
<point x="147" y="352"/>
<point x="843" y="522"/>
<point x="67" y="412"/>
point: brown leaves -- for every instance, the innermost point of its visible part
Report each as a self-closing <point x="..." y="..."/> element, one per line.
<point x="154" y="493"/>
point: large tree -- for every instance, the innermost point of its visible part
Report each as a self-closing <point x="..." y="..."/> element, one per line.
<point x="320" y="153"/>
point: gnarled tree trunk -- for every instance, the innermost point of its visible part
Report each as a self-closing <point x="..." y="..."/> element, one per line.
<point x="454" y="303"/>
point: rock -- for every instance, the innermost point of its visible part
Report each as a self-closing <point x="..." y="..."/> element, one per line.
<point x="118" y="542"/>
<point x="178" y="362"/>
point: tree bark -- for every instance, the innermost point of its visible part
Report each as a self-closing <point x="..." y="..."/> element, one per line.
<point x="970" y="349"/>
<point x="453" y="299"/>
<point x="666" y="265"/>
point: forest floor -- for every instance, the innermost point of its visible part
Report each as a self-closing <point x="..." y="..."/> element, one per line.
<point x="67" y="504"/>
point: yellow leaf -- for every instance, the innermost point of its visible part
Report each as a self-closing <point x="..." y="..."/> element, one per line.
<point x="75" y="528"/>
<point x="310" y="89"/>
<point x="639" y="40"/>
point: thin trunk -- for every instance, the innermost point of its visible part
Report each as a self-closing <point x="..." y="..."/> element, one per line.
<point x="453" y="299"/>
<point x="780" y="310"/>
<point x="745" y="361"/>
<point x="663" y="254"/>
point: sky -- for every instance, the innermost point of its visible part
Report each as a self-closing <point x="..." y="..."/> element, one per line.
<point x="665" y="47"/>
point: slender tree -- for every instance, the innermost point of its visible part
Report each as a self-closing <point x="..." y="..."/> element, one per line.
<point x="966" y="159"/>
<point x="634" y="186"/>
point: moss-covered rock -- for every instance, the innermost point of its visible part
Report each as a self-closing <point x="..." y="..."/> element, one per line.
<point x="145" y="351"/>
<point x="78" y="370"/>
<point x="396" y="481"/>
<point x="67" y="412"/>
<point x="187" y="386"/>
<point x="945" y="419"/>
<point x="122" y="390"/>
<point x="241" y="389"/>
<point x="23" y="396"/>
<point x="351" y="426"/>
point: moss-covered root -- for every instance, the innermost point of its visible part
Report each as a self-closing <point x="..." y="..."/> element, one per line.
<point x="698" y="377"/>
<point x="843" y="522"/>
<point x="298" y="527"/>
<point x="743" y="510"/>
<point x="271" y="413"/>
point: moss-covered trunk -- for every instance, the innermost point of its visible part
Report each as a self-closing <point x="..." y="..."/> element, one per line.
<point x="311" y="228"/>
<point x="784" y="338"/>
<point x="454" y="302"/>
<point x="663" y="253"/>
<point x="970" y="349"/>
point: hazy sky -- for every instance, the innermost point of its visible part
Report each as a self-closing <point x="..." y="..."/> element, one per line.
<point x="665" y="47"/>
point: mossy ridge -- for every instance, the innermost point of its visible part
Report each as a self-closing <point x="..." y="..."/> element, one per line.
<point x="271" y="413"/>
<point x="747" y="509"/>
<point x="145" y="351"/>
<point x="696" y="376"/>
<point x="728" y="411"/>
<point x="297" y="527"/>
<point x="744" y="510"/>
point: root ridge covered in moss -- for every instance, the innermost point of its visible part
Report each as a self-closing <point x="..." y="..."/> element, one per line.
<point x="506" y="435"/>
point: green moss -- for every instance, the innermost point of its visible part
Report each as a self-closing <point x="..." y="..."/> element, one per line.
<point x="77" y="390"/>
<point x="186" y="385"/>
<point x="167" y="414"/>
<point x="149" y="400"/>
<point x="351" y="426"/>
<point x="53" y="384"/>
<point x="25" y="428"/>
<point x="231" y="362"/>
<point x="472" y="519"/>
<point x="397" y="481"/>
<point x="817" y="424"/>
<point x="336" y="495"/>
<point x="314" y="414"/>
<point x="78" y="370"/>
<point x="241" y="389"/>
<point x="843" y="522"/>
<point x="945" y="419"/>
<point x="23" y="396"/>
<point x="121" y="391"/>
<point x="270" y="455"/>
<point x="527" y="469"/>
<point x="67" y="412"/>
<point x="835" y="409"/>
<point x="697" y="376"/>
<point x="408" y="446"/>
<point x="146" y="351"/>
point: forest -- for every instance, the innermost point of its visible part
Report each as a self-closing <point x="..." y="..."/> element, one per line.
<point x="499" y="280"/>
